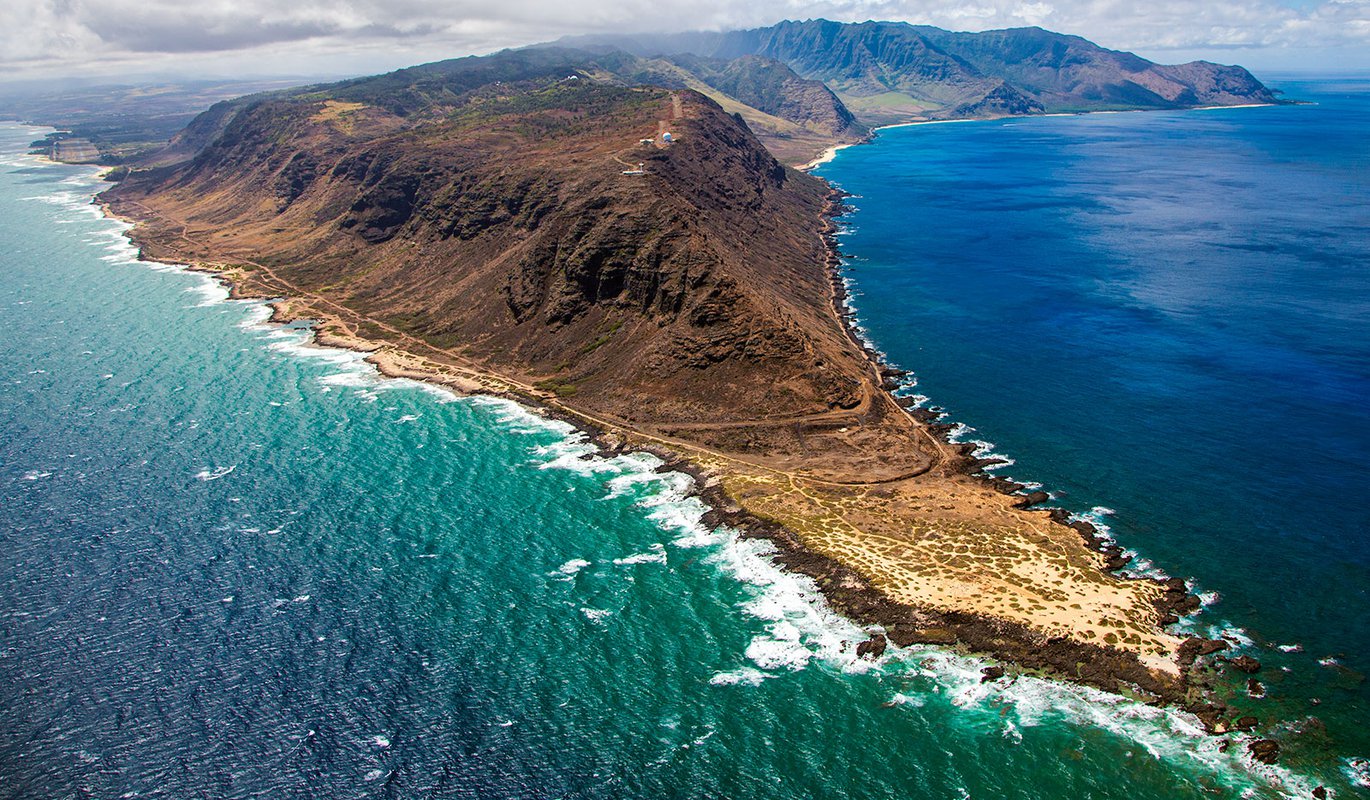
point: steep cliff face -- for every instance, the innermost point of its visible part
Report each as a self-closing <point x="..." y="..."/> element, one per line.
<point x="892" y="71"/>
<point x="1068" y="73"/>
<point x="506" y="227"/>
<point x="772" y="87"/>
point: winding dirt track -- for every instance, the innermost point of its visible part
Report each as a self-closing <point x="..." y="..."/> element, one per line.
<point x="352" y="320"/>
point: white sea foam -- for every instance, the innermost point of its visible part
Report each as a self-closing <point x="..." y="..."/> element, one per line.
<point x="746" y="676"/>
<point x="441" y="394"/>
<point x="797" y="625"/>
<point x="215" y="474"/>
<point x="1235" y="635"/>
<point x="572" y="454"/>
<point x="569" y="570"/>
<point x="211" y="292"/>
<point x="1178" y="738"/>
<point x="596" y="615"/>
<point x="633" y="480"/>
<point x="1357" y="771"/>
<point x="656" y="554"/>
<point x="960" y="433"/>
<point x="302" y="346"/>
<point x="1209" y="598"/>
<point x="357" y="379"/>
<point x="35" y="475"/>
<point x="257" y="315"/>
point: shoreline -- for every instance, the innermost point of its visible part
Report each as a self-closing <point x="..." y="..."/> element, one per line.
<point x="1177" y="602"/>
<point x="849" y="592"/>
<point x="827" y="155"/>
<point x="831" y="152"/>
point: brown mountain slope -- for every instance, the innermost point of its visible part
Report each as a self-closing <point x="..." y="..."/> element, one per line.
<point x="673" y="300"/>
<point x="796" y="118"/>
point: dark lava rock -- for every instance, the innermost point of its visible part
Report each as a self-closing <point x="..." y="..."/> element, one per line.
<point x="1114" y="559"/>
<point x="1320" y="793"/>
<point x="1266" y="751"/>
<point x="1246" y="664"/>
<point x="991" y="674"/>
<point x="1033" y="499"/>
<point x="892" y="378"/>
<point x="1194" y="647"/>
<point x="1210" y="715"/>
<point x="872" y="648"/>
<point x="1002" y="485"/>
<point x="1255" y="688"/>
<point x="1244" y="724"/>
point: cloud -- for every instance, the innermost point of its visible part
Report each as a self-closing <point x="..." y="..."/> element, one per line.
<point x="60" y="35"/>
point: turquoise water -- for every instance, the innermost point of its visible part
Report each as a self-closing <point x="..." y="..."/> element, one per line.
<point x="235" y="565"/>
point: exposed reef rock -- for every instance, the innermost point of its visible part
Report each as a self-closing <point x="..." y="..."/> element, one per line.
<point x="1266" y="751"/>
<point x="872" y="648"/>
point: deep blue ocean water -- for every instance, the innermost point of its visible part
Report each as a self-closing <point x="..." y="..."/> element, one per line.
<point x="1164" y="318"/>
<point x="235" y="565"/>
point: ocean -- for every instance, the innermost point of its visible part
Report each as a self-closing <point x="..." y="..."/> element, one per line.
<point x="233" y="564"/>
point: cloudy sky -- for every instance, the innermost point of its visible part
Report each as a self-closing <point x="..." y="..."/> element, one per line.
<point x="214" y="38"/>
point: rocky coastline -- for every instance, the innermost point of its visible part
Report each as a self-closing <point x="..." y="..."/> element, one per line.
<point x="1095" y="666"/>
<point x="848" y="591"/>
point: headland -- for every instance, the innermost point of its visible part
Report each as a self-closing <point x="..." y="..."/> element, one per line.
<point x="635" y="260"/>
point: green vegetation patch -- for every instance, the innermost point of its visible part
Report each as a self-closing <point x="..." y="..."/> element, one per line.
<point x="558" y="387"/>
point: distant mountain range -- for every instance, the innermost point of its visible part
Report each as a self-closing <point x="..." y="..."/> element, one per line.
<point x="889" y="72"/>
<point x="800" y="86"/>
<point x="531" y="206"/>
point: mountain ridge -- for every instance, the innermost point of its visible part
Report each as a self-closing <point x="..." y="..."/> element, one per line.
<point x="893" y="72"/>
